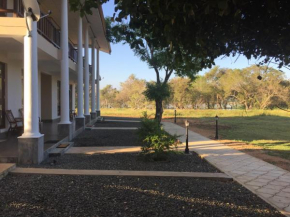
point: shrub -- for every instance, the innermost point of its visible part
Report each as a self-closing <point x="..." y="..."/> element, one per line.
<point x="158" y="144"/>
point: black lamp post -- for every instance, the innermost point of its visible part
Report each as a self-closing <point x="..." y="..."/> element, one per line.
<point x="174" y="115"/>
<point x="216" y="127"/>
<point x="186" y="147"/>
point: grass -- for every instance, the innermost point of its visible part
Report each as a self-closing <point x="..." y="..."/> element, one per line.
<point x="268" y="132"/>
<point x="269" y="129"/>
<point x="169" y="113"/>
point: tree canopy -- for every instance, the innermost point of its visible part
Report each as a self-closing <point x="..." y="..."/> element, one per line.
<point x="218" y="88"/>
<point x="207" y="29"/>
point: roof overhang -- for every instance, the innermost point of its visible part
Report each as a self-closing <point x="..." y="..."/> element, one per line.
<point x="97" y="23"/>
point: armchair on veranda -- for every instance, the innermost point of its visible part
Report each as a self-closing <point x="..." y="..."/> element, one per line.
<point x="16" y="124"/>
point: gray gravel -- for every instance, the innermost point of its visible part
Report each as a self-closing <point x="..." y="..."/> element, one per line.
<point x="107" y="138"/>
<point x="128" y="161"/>
<point x="47" y="195"/>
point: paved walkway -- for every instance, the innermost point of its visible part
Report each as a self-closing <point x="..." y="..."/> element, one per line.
<point x="269" y="182"/>
<point x="219" y="176"/>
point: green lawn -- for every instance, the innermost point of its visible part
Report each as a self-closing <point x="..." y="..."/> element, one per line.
<point x="269" y="129"/>
<point x="270" y="132"/>
<point x="190" y="113"/>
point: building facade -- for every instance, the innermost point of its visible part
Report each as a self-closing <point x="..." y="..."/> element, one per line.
<point x="40" y="73"/>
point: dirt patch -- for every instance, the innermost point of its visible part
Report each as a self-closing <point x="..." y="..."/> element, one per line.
<point x="208" y="130"/>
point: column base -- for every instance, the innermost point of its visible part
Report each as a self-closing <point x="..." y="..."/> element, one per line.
<point x="98" y="113"/>
<point x="65" y="130"/>
<point x="30" y="150"/>
<point x="87" y="119"/>
<point x="93" y="115"/>
<point x="80" y="122"/>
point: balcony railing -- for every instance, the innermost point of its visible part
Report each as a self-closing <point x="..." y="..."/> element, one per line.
<point x="47" y="27"/>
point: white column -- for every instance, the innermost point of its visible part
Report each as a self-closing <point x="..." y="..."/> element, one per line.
<point x="98" y="79"/>
<point x="87" y="74"/>
<point x="64" y="116"/>
<point x="73" y="101"/>
<point x="80" y="70"/>
<point x="93" y="81"/>
<point x="31" y="124"/>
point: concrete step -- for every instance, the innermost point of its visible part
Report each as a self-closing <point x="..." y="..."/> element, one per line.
<point x="5" y="168"/>
<point x="61" y="149"/>
<point x="100" y="119"/>
<point x="199" y="175"/>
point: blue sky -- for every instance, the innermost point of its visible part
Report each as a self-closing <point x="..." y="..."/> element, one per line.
<point x="117" y="67"/>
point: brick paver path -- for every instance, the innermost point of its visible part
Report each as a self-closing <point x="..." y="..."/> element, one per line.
<point x="269" y="182"/>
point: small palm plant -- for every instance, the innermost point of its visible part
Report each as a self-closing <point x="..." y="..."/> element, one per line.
<point x="158" y="144"/>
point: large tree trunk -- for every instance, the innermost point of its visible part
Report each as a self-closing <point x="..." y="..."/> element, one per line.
<point x="159" y="110"/>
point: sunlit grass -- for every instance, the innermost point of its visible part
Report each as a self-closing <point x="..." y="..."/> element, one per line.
<point x="268" y="129"/>
<point x="169" y="113"/>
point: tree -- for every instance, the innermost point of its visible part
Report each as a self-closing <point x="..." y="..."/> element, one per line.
<point x="131" y="92"/>
<point x="213" y="79"/>
<point x="108" y="96"/>
<point x="180" y="96"/>
<point x="160" y="59"/>
<point x="243" y="85"/>
<point x="208" y="29"/>
<point x="270" y="88"/>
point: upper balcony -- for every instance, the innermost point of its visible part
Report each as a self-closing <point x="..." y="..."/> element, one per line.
<point x="47" y="27"/>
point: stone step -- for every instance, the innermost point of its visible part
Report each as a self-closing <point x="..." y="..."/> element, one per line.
<point x="200" y="175"/>
<point x="61" y="149"/>
<point x="5" y="168"/>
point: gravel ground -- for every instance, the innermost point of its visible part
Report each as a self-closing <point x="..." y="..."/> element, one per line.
<point x="117" y="124"/>
<point x="45" y="195"/>
<point x="127" y="161"/>
<point x="107" y="138"/>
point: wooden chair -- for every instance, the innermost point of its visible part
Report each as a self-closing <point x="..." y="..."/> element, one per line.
<point x="22" y="116"/>
<point x="14" y="122"/>
<point x="72" y="114"/>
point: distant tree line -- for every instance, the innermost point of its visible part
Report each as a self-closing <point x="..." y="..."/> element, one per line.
<point x="257" y="87"/>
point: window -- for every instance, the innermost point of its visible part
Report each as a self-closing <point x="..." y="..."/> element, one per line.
<point x="2" y="95"/>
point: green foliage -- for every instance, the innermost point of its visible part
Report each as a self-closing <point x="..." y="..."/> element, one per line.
<point x="157" y="142"/>
<point x="207" y="29"/>
<point x="85" y="7"/>
<point x="158" y="57"/>
<point x="156" y="91"/>
<point x="180" y="95"/>
<point x="108" y="96"/>
<point x="148" y="127"/>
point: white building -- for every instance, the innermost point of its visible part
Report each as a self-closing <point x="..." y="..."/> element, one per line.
<point x="43" y="80"/>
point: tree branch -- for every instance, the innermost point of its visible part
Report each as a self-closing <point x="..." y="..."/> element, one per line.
<point x="168" y="76"/>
